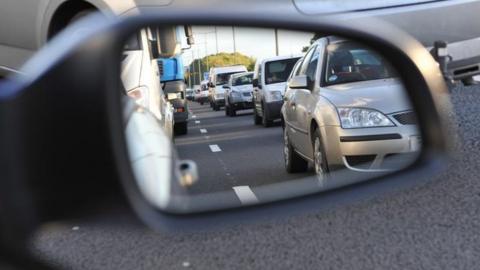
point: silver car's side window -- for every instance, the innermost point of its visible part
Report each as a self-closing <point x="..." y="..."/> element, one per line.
<point x="296" y="68"/>
<point x="312" y="66"/>
<point x="306" y="60"/>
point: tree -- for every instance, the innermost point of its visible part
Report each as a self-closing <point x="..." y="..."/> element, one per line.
<point x="218" y="60"/>
<point x="315" y="37"/>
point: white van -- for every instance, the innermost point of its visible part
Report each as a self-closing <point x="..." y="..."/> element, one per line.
<point x="269" y="82"/>
<point x="218" y="77"/>
<point x="141" y="80"/>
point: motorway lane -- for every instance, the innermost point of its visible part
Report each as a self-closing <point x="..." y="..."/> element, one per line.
<point x="432" y="226"/>
<point x="249" y="155"/>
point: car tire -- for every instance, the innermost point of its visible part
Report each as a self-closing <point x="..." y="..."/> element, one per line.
<point x="265" y="121"/>
<point x="233" y="112"/>
<point x="216" y="107"/>
<point x="180" y="128"/>
<point x="257" y="120"/>
<point x="294" y="163"/>
<point x="320" y="163"/>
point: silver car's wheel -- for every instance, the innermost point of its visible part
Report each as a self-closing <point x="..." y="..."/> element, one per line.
<point x="293" y="162"/>
<point x="319" y="158"/>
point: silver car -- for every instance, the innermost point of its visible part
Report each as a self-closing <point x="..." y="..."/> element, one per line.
<point x="345" y="108"/>
<point x="238" y="93"/>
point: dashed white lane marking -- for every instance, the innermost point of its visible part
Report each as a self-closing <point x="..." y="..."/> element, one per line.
<point x="76" y="228"/>
<point x="197" y="122"/>
<point x="215" y="148"/>
<point x="245" y="195"/>
<point x="202" y="130"/>
<point x="194" y="116"/>
<point x="207" y="137"/>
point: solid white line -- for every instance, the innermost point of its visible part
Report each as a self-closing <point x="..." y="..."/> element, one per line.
<point x="245" y="195"/>
<point x="215" y="148"/>
<point x="197" y="122"/>
<point x="202" y="130"/>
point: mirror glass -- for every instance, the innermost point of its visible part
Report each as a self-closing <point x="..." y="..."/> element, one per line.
<point x="325" y="112"/>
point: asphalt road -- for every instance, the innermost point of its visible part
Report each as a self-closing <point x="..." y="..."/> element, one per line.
<point x="431" y="226"/>
<point x="232" y="151"/>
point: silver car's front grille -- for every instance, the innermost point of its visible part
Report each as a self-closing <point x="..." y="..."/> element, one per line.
<point x="406" y="118"/>
<point x="247" y="94"/>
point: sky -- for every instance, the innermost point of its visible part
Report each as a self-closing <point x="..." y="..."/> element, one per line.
<point x="254" y="42"/>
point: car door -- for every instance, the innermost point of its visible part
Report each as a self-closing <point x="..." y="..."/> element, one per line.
<point x="306" y="101"/>
<point x="289" y="114"/>
<point x="297" y="107"/>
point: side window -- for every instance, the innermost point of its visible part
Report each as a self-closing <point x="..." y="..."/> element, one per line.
<point x="296" y="69"/>
<point x="312" y="66"/>
<point x="306" y="60"/>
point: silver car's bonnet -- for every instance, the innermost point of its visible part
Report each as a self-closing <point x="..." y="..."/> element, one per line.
<point x="243" y="88"/>
<point x="385" y="95"/>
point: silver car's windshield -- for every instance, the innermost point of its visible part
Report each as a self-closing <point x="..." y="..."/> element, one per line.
<point x="351" y="62"/>
<point x="243" y="80"/>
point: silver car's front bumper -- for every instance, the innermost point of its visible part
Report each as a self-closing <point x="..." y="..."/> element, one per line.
<point x="242" y="98"/>
<point x="371" y="149"/>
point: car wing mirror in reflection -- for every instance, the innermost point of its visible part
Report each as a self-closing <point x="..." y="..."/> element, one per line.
<point x="298" y="82"/>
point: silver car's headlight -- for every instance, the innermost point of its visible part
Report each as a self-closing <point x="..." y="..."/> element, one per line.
<point x="360" y="118"/>
<point x="235" y="94"/>
<point x="274" y="96"/>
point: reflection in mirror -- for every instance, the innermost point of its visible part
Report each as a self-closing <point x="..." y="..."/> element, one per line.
<point x="248" y="115"/>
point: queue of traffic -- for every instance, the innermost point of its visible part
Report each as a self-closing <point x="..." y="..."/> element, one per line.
<point x="341" y="106"/>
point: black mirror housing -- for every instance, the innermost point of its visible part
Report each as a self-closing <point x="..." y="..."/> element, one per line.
<point x="255" y="82"/>
<point x="97" y="106"/>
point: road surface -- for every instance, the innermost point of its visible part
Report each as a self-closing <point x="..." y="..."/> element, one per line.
<point x="432" y="226"/>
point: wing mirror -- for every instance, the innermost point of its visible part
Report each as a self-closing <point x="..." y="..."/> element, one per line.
<point x="255" y="82"/>
<point x="298" y="82"/>
<point x="113" y="146"/>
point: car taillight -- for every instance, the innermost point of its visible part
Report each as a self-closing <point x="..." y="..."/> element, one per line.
<point x="181" y="109"/>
